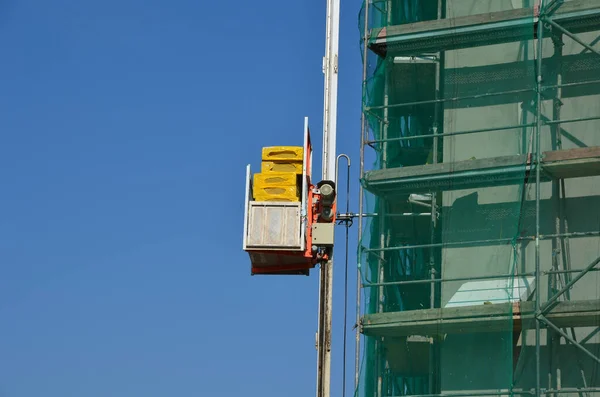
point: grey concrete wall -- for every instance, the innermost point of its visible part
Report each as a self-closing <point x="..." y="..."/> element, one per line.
<point x="460" y="207"/>
<point x="475" y="362"/>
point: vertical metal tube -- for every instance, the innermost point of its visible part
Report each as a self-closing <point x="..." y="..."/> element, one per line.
<point x="385" y="123"/>
<point x="555" y="281"/>
<point x="381" y="295"/>
<point x="383" y="209"/>
<point x="435" y="149"/>
<point x="432" y="292"/>
<point x="540" y="52"/>
<point x="561" y="191"/>
<point x="433" y="224"/>
<point x="363" y="129"/>
<point x="380" y="364"/>
<point x="337" y="167"/>
<point x="558" y="380"/>
<point x="557" y="145"/>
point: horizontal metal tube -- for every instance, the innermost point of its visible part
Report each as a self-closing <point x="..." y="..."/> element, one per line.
<point x="501" y="240"/>
<point x="571" y="84"/>
<point x="372" y="215"/>
<point x="522" y="168"/>
<point x="568" y="271"/>
<point x="407" y="138"/>
<point x="565" y="121"/>
<point x="455" y="99"/>
<point x="443" y="280"/>
<point x="511" y="127"/>
<point x="416" y="59"/>
<point x="508" y="392"/>
<point x="474" y="393"/>
<point x="571" y="35"/>
<point x="474" y="278"/>
<point x="570" y="234"/>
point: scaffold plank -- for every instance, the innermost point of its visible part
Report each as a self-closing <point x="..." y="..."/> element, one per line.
<point x="478" y="30"/>
<point x="503" y="317"/>
<point x="573" y="163"/>
<point x="497" y="171"/>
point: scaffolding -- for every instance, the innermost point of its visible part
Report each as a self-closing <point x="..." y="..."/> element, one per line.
<point x="479" y="219"/>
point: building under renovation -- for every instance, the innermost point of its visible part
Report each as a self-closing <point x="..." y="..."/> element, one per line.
<point x="480" y="208"/>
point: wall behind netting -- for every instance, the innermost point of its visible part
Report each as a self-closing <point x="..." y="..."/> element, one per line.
<point x="483" y="101"/>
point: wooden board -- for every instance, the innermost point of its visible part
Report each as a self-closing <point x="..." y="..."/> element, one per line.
<point x="573" y="163"/>
<point x="572" y="154"/>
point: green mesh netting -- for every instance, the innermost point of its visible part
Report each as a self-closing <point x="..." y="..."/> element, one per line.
<point x="447" y="253"/>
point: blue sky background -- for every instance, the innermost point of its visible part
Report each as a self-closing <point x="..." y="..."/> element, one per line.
<point x="125" y="127"/>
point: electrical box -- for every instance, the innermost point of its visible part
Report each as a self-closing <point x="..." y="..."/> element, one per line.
<point x="322" y="234"/>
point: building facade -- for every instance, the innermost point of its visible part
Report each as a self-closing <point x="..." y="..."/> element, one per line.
<point x="480" y="206"/>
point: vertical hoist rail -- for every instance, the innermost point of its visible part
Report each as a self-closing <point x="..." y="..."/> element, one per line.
<point x="330" y="70"/>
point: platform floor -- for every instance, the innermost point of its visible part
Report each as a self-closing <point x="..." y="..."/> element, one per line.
<point x="504" y="170"/>
<point x="501" y="317"/>
<point x="482" y="29"/>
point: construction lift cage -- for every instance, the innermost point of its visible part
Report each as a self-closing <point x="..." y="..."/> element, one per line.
<point x="479" y="226"/>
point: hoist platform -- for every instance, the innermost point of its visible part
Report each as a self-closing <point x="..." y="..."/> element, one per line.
<point x="288" y="237"/>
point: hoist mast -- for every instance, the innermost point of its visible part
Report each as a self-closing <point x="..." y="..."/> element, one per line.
<point x="289" y="219"/>
<point x="330" y="70"/>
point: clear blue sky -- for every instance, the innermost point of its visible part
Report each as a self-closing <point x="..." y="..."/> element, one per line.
<point x="125" y="129"/>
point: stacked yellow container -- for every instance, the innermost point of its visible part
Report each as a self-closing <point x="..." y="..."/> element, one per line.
<point x="279" y="179"/>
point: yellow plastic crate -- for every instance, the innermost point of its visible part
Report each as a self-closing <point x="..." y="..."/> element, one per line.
<point x="283" y="153"/>
<point x="276" y="193"/>
<point x="281" y="166"/>
<point x="275" y="179"/>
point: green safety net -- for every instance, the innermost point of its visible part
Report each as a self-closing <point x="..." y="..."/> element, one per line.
<point x="456" y="121"/>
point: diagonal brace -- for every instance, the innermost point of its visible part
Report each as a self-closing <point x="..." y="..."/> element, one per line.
<point x="567" y="337"/>
<point x="572" y="35"/>
<point x="594" y="42"/>
<point x="544" y="309"/>
<point x="552" y="6"/>
<point x="590" y="336"/>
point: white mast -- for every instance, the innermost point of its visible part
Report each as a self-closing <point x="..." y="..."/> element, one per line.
<point x="330" y="69"/>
